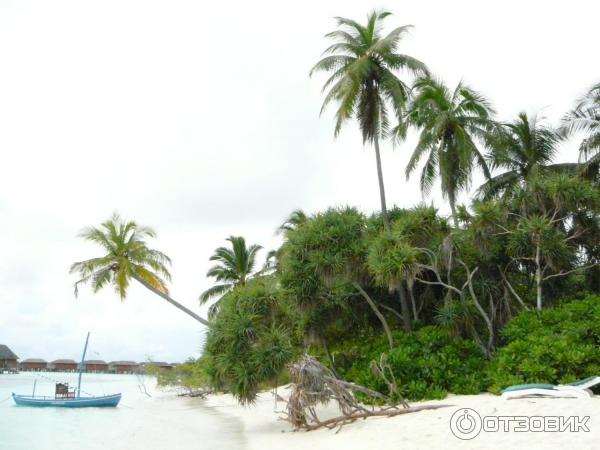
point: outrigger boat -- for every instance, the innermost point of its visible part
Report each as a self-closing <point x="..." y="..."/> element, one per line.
<point x="68" y="398"/>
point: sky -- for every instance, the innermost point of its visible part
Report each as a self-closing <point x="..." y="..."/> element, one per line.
<point x="200" y="120"/>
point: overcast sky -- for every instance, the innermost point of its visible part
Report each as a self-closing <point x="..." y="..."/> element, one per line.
<point x="200" y="120"/>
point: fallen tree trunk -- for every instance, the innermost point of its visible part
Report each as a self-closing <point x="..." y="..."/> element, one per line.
<point x="313" y="384"/>
<point x="390" y="412"/>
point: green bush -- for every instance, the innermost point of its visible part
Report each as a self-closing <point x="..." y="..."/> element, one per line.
<point x="556" y="345"/>
<point x="427" y="364"/>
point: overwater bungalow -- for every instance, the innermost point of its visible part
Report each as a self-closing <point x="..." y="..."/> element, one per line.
<point x="123" y="367"/>
<point x="33" y="365"/>
<point x="8" y="359"/>
<point x="63" y="365"/>
<point x="162" y="365"/>
<point x="96" y="366"/>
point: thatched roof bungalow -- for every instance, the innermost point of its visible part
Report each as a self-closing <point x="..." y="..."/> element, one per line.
<point x="63" y="365"/>
<point x="8" y="359"/>
<point x="123" y="367"/>
<point x="162" y="365"/>
<point x="95" y="366"/>
<point x="33" y="365"/>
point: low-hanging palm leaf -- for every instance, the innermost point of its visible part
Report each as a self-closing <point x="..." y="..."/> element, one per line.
<point x="524" y="149"/>
<point x="362" y="64"/>
<point x="450" y="124"/>
<point x="586" y="117"/>
<point x="126" y="257"/>
<point x="234" y="267"/>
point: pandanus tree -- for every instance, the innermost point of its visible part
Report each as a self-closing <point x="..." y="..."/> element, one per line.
<point x="126" y="257"/>
<point x="393" y="262"/>
<point x="586" y="117"/>
<point x="362" y="64"/>
<point x="249" y="342"/>
<point x="324" y="260"/>
<point x="393" y="256"/>
<point x="549" y="233"/>
<point x="521" y="149"/>
<point x="451" y="124"/>
<point x="234" y="267"/>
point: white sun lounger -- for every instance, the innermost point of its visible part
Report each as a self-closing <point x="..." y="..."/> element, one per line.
<point x="578" y="389"/>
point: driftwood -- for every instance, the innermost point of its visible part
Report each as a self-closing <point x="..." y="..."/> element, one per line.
<point x="312" y="384"/>
<point x="344" y="420"/>
<point x="193" y="393"/>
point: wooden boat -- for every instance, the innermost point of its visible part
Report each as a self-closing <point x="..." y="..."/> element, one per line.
<point x="68" y="398"/>
<point x="77" y="402"/>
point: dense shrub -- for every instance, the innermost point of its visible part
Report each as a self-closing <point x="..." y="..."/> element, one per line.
<point x="556" y="345"/>
<point x="428" y="363"/>
<point x="248" y="343"/>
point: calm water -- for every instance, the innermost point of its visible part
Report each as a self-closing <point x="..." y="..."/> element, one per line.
<point x="162" y="421"/>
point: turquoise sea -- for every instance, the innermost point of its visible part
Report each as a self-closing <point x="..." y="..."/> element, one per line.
<point x="160" y="421"/>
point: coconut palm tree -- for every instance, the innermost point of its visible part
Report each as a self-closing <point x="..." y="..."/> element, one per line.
<point x="362" y="64"/>
<point x="450" y="124"/>
<point x="523" y="149"/>
<point x="234" y="267"/>
<point x="586" y="117"/>
<point x="126" y="257"/>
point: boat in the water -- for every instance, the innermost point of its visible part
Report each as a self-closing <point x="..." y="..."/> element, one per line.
<point x="77" y="402"/>
<point x="66" y="397"/>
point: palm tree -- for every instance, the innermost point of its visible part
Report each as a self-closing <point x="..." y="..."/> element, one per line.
<point x="450" y="122"/>
<point x="295" y="219"/>
<point x="523" y="149"/>
<point x="234" y="268"/>
<point x="126" y="257"/>
<point x="362" y="81"/>
<point x="586" y="117"/>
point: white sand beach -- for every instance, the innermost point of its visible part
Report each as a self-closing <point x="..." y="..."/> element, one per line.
<point x="421" y="430"/>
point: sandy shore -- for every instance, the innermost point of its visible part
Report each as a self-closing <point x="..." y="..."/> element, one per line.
<point x="422" y="430"/>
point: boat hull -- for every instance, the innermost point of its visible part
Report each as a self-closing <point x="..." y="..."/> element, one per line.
<point x="81" y="402"/>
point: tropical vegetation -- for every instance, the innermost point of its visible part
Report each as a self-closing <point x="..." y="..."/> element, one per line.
<point x="410" y="301"/>
<point x="234" y="267"/>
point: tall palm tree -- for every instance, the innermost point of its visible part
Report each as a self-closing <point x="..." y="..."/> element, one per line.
<point x="522" y="149"/>
<point x="126" y="257"/>
<point x="586" y="117"/>
<point x="362" y="63"/>
<point x="451" y="123"/>
<point x="234" y="267"/>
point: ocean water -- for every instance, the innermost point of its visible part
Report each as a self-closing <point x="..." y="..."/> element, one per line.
<point x="161" y="421"/>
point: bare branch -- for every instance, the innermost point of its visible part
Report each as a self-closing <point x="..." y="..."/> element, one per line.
<point x="562" y="274"/>
<point x="511" y="289"/>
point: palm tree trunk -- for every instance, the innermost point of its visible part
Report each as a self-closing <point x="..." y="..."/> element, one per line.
<point x="170" y="300"/>
<point x="404" y="308"/>
<point x="538" y="278"/>
<point x="452" y="201"/>
<point x="380" y="316"/>
<point x="413" y="303"/>
<point x="384" y="214"/>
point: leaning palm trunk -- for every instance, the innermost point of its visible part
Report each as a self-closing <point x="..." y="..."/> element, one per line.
<point x="170" y="300"/>
<point x="384" y="214"/>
